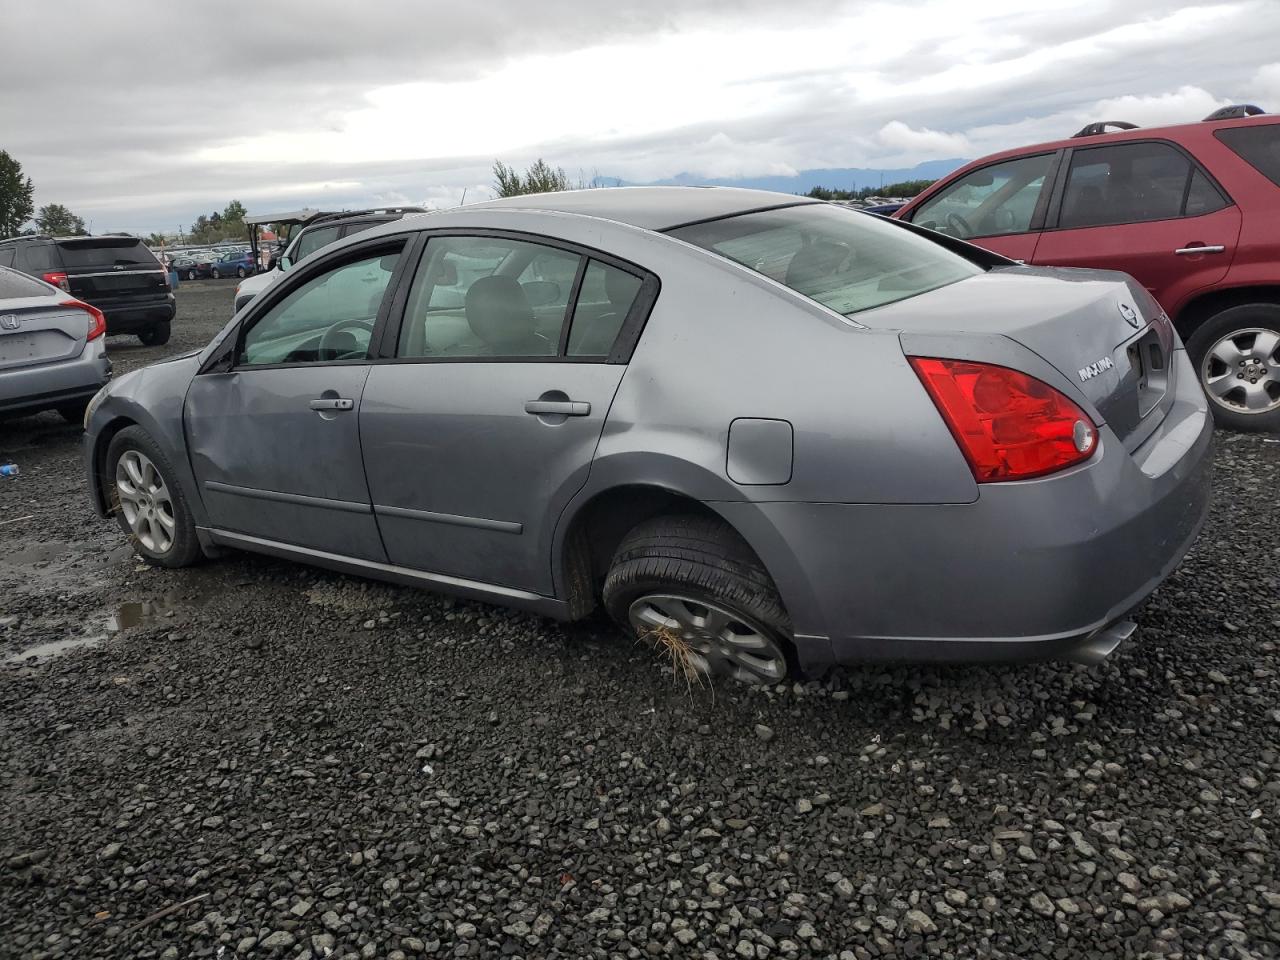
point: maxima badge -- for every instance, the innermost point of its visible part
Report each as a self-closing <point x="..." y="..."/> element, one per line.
<point x="1093" y="369"/>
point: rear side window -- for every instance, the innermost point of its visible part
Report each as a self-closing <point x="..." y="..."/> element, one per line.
<point x="606" y="297"/>
<point x="106" y="252"/>
<point x="1257" y="146"/>
<point x="845" y="260"/>
<point x="483" y="297"/>
<point x="313" y="240"/>
<point x="1133" y="183"/>
<point x="14" y="284"/>
<point x="993" y="200"/>
<point x="36" y="258"/>
<point x="6" y="256"/>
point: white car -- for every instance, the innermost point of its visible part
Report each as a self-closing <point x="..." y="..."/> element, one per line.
<point x="318" y="231"/>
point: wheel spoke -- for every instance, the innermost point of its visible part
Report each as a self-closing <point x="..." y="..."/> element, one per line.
<point x="717" y="640"/>
<point x="1222" y="384"/>
<point x="134" y="469"/>
<point x="654" y="618"/>
<point x="1227" y="352"/>
<point x="1256" y="396"/>
<point x="1265" y="344"/>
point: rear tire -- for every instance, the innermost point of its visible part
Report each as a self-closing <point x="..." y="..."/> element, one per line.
<point x="1236" y="354"/>
<point x="156" y="335"/>
<point x="216" y="275"/>
<point x="148" y="502"/>
<point x="692" y="582"/>
<point x="191" y="274"/>
<point x="241" y="272"/>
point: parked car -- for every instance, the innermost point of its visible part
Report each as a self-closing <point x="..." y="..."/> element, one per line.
<point x="51" y="348"/>
<point x="1188" y="210"/>
<point x="235" y="263"/>
<point x="115" y="273"/>
<point x="754" y="473"/>
<point x="319" y="231"/>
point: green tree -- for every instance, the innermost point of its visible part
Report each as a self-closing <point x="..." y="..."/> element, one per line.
<point x="15" y="196"/>
<point x="539" y="178"/>
<point x="58" y="221"/>
<point x="905" y="189"/>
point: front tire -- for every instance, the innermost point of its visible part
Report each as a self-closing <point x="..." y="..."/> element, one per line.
<point x="1236" y="354"/>
<point x="156" y="335"/>
<point x="148" y="501"/>
<point x="241" y="272"/>
<point x="690" y="584"/>
<point x="216" y="275"/>
<point x="191" y="274"/>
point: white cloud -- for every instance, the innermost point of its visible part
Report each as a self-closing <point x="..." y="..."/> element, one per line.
<point x="1265" y="87"/>
<point x="899" y="137"/>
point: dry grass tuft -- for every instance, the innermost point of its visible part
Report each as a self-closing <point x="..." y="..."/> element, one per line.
<point x="676" y="649"/>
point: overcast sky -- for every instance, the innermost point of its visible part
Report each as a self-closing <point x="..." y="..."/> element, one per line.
<point x="139" y="117"/>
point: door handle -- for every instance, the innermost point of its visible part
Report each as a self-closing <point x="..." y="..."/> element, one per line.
<point x="1216" y="248"/>
<point x="332" y="403"/>
<point x="565" y="408"/>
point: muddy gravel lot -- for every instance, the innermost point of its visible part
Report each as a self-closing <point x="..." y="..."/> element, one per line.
<point x="252" y="758"/>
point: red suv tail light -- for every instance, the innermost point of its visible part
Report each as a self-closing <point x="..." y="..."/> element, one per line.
<point x="1009" y="426"/>
<point x="97" y="321"/>
<point x="58" y="279"/>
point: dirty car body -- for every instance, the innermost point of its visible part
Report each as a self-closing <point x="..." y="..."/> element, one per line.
<point x="490" y="401"/>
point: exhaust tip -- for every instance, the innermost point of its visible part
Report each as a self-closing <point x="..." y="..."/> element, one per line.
<point x="1103" y="643"/>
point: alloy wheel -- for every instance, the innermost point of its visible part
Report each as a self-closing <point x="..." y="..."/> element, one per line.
<point x="1241" y="372"/>
<point x="145" y="501"/>
<point x="719" y="642"/>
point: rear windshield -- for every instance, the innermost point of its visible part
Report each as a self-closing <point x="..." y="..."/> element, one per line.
<point x="846" y="260"/>
<point x="1258" y="146"/>
<point x="106" y="252"/>
<point x="14" y="284"/>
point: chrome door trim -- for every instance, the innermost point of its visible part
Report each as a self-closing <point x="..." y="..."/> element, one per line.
<point x="453" y="519"/>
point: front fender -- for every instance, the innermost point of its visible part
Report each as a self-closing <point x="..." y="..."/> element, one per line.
<point x="153" y="398"/>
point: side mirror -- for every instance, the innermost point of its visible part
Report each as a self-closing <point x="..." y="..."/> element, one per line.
<point x="541" y="293"/>
<point x="285" y="263"/>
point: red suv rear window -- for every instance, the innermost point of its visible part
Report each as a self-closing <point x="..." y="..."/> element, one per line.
<point x="1258" y="146"/>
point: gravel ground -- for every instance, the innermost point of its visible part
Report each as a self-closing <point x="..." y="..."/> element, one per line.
<point x="294" y="763"/>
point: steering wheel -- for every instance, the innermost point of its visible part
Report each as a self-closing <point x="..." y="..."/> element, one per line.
<point x="328" y="348"/>
<point x="960" y="225"/>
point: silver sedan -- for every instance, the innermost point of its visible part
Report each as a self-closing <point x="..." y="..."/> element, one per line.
<point x="51" y="348"/>
<point x="765" y="433"/>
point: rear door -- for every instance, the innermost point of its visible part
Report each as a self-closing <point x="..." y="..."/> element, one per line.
<point x="483" y="422"/>
<point x="274" y="430"/>
<point x="1000" y="206"/>
<point x="1147" y="208"/>
<point x="107" y="271"/>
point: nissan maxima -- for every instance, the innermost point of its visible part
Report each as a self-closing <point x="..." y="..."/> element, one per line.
<point x="764" y="432"/>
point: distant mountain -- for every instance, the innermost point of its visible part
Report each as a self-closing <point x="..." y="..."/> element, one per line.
<point x="837" y="178"/>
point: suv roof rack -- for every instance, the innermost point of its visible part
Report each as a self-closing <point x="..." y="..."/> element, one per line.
<point x="26" y="236"/>
<point x="343" y="214"/>
<point x="1094" y="129"/>
<point x="1235" y="111"/>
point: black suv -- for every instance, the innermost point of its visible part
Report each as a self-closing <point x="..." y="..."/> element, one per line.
<point x="317" y="232"/>
<point x="117" y="274"/>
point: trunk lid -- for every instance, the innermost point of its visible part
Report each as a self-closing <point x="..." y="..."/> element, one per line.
<point x="1100" y="330"/>
<point x="103" y="270"/>
<point x="41" y="331"/>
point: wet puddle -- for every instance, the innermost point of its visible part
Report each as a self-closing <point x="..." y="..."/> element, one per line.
<point x="131" y="613"/>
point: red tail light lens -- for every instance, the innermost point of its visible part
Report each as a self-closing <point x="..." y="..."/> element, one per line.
<point x="58" y="279"/>
<point x="97" y="321"/>
<point x="1009" y="426"/>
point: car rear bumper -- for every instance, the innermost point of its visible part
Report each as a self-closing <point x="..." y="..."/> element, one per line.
<point x="138" y="315"/>
<point x="1039" y="569"/>
<point x="58" y="384"/>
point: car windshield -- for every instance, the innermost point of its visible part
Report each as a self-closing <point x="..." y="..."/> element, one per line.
<point x="846" y="260"/>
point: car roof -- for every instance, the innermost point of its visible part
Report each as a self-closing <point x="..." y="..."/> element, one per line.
<point x="650" y="208"/>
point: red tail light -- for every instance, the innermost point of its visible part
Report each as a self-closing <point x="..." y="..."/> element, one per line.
<point x="97" y="321"/>
<point x="1009" y="426"/>
<point x="58" y="279"/>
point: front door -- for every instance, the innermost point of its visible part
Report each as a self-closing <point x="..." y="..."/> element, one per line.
<point x="485" y="425"/>
<point x="275" y="440"/>
<point x="998" y="206"/>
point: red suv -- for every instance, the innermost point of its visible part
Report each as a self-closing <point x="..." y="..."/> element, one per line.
<point x="1191" y="211"/>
